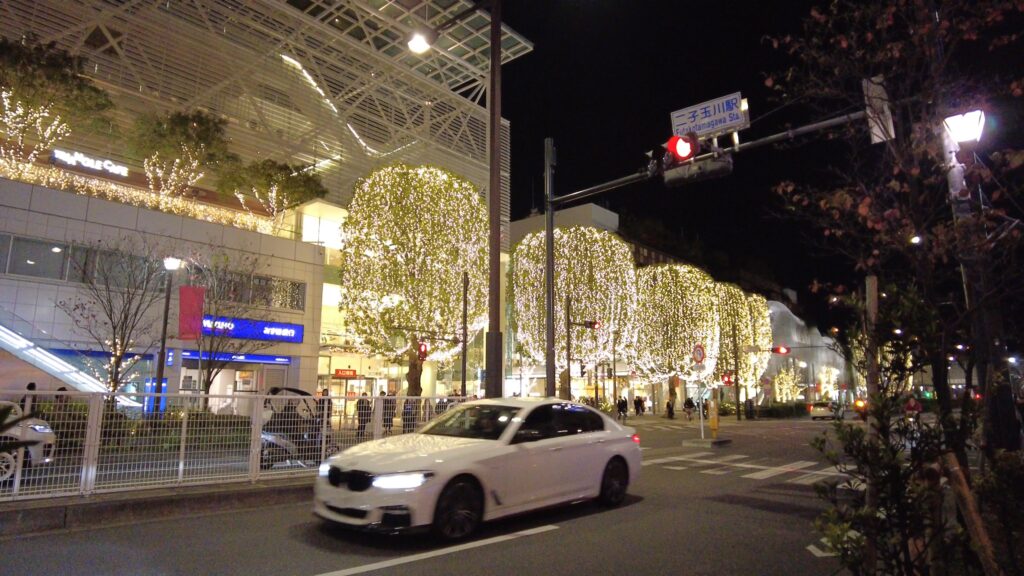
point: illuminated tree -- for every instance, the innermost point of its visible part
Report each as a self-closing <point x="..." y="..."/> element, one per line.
<point x="677" y="310"/>
<point x="761" y="337"/>
<point x="119" y="286"/>
<point x="595" y="269"/>
<point x="736" y="332"/>
<point x="178" y="148"/>
<point x="232" y="289"/>
<point x="412" y="232"/>
<point x="273" y="187"/>
<point x="25" y="131"/>
<point x="786" y="386"/>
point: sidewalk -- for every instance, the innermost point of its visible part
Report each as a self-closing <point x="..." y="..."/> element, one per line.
<point x="24" y="517"/>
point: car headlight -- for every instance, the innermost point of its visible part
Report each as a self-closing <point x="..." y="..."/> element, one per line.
<point x="403" y="481"/>
<point x="41" y="428"/>
<point x="325" y="469"/>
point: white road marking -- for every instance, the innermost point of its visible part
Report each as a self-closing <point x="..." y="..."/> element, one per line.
<point x="763" y="474"/>
<point x="716" y="471"/>
<point x="816" y="476"/>
<point x="674" y="458"/>
<point x="435" y="553"/>
<point x="675" y="467"/>
<point x="818" y="552"/>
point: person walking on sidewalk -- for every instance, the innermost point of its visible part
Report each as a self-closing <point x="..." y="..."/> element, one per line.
<point x="689" y="407"/>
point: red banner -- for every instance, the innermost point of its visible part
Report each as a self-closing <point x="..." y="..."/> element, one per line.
<point x="190" y="311"/>
<point x="342" y="373"/>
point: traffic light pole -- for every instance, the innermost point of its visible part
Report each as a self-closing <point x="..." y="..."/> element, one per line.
<point x="551" y="203"/>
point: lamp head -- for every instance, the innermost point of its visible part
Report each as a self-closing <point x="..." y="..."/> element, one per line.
<point x="171" y="263"/>
<point x="967" y="126"/>
<point x="421" y="40"/>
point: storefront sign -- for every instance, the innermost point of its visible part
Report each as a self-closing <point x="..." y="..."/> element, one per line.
<point x="98" y="164"/>
<point x="244" y="358"/>
<point x="344" y="373"/>
<point x="246" y="329"/>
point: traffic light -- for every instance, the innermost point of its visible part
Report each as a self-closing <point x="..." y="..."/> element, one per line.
<point x="682" y="148"/>
<point x="781" y="350"/>
<point x="583" y="369"/>
<point x="423" y="351"/>
<point x="727" y="378"/>
<point x="593" y="324"/>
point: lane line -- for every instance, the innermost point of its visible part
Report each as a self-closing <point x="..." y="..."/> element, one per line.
<point x="716" y="471"/>
<point x="435" y="553"/>
<point x="675" y="467"/>
<point x="793" y="467"/>
<point x="815" y="476"/>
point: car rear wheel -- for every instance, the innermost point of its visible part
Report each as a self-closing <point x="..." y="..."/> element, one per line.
<point x="459" y="509"/>
<point x="271" y="455"/>
<point x="614" y="483"/>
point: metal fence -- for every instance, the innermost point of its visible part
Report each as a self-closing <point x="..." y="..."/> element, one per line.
<point x="88" y="443"/>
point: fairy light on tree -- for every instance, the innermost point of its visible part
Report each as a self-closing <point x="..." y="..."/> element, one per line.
<point x="595" y="269"/>
<point x="411" y="233"/>
<point x="734" y="320"/>
<point x="761" y="339"/>
<point x="677" y="310"/>
<point x="25" y="131"/>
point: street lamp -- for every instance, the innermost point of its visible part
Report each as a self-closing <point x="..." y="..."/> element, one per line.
<point x="419" y="42"/>
<point x="170" y="265"/>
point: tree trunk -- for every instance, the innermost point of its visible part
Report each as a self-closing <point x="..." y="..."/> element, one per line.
<point x="413" y="376"/>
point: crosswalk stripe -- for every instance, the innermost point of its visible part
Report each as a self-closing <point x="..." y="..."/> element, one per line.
<point x="763" y="474"/>
<point x="675" y="467"/>
<point x="716" y="471"/>
<point x="815" y="476"/>
<point x="731" y="458"/>
<point x="674" y="458"/>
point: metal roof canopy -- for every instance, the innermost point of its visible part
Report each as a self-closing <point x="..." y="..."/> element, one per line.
<point x="329" y="83"/>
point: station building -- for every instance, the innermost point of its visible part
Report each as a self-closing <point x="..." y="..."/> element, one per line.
<point x="326" y="84"/>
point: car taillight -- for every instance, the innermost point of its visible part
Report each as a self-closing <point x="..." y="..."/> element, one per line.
<point x="859" y="403"/>
<point x="636" y="438"/>
<point x="810" y="407"/>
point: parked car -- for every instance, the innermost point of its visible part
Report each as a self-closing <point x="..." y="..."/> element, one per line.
<point x="28" y="430"/>
<point x="825" y="410"/>
<point x="479" y="461"/>
<point x="293" y="429"/>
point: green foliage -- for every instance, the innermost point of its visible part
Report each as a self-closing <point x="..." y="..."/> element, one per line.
<point x="780" y="410"/>
<point x="42" y="74"/>
<point x="168" y="135"/>
<point x="1001" y="492"/>
<point x="291" y="185"/>
<point x="901" y="463"/>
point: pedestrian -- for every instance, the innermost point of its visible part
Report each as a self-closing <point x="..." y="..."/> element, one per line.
<point x="363" y="411"/>
<point x="670" y="410"/>
<point x="638" y="405"/>
<point x="28" y="399"/>
<point x="323" y="408"/>
<point x="689" y="407"/>
<point x="389" y="412"/>
<point x="623" y="407"/>
<point x="409" y="415"/>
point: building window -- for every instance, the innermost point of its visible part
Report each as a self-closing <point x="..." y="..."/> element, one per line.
<point x="38" y="258"/>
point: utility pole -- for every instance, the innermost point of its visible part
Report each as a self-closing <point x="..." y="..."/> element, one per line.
<point x="736" y="369"/>
<point x="565" y="392"/>
<point x="871" y="350"/>
<point x="465" y="330"/>
<point x="549" y="268"/>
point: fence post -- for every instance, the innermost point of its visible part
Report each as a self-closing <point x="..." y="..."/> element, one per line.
<point x="181" y="449"/>
<point x="93" y="435"/>
<point x="256" y="439"/>
<point x="377" y="417"/>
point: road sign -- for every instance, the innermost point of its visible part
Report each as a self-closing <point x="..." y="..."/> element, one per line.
<point x="698" y="354"/>
<point x="712" y="118"/>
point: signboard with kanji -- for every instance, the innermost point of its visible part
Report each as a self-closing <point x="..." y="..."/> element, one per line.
<point x="344" y="373"/>
<point x="712" y="118"/>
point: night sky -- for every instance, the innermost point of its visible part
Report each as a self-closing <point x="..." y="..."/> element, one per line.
<point x="602" y="80"/>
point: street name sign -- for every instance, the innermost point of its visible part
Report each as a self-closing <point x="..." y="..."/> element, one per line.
<point x="712" y="118"/>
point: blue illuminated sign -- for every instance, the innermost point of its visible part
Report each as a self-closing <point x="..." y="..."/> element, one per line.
<point x="246" y="358"/>
<point x="246" y="329"/>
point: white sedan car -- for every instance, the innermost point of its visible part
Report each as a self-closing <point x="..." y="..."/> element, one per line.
<point x="34" y="430"/>
<point x="480" y="461"/>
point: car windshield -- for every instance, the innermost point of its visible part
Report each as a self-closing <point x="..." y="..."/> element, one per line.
<point x="485" y="422"/>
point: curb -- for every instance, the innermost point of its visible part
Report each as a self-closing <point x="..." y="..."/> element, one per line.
<point x="22" y="518"/>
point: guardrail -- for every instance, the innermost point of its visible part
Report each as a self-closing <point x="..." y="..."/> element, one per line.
<point x="88" y="444"/>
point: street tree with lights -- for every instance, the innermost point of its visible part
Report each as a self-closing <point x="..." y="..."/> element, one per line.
<point x="735" y="330"/>
<point x="677" y="310"/>
<point x="411" y="234"/>
<point x="760" y="341"/>
<point x="594" y="270"/>
<point x="900" y="204"/>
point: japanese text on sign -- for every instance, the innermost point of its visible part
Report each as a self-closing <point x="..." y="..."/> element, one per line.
<point x="711" y="118"/>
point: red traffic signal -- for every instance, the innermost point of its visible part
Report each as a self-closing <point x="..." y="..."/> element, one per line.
<point x="781" y="350"/>
<point x="727" y="378"/>
<point x="423" y="351"/>
<point x="593" y="324"/>
<point x="684" y="147"/>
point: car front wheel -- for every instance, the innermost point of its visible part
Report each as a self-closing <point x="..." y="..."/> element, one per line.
<point x="614" y="483"/>
<point x="7" y="464"/>
<point x="459" y="509"/>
